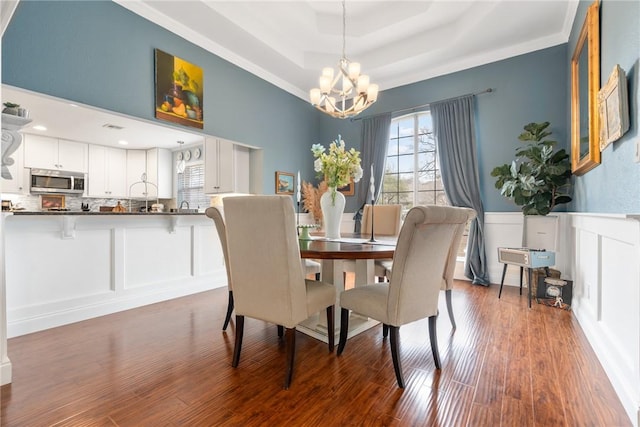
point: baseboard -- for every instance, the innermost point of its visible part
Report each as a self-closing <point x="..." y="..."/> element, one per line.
<point x="54" y="319"/>
<point x="5" y="372"/>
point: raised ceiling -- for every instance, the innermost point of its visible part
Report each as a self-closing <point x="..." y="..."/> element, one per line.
<point x="397" y="42"/>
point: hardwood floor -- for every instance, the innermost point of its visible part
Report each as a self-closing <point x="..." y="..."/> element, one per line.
<point x="169" y="364"/>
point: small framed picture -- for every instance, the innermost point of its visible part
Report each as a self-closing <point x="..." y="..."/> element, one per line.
<point x="614" y="108"/>
<point x="51" y="202"/>
<point x="349" y="189"/>
<point x="284" y="183"/>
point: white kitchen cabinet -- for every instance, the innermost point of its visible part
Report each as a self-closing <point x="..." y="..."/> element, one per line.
<point x="107" y="172"/>
<point x="136" y="167"/>
<point x="156" y="164"/>
<point x="160" y="171"/>
<point x="42" y="152"/>
<point x="218" y="166"/>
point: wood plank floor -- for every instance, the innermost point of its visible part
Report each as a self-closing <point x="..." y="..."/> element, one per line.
<point x="169" y="364"/>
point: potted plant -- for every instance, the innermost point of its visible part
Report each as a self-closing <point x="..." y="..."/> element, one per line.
<point x="11" y="108"/>
<point x="539" y="178"/>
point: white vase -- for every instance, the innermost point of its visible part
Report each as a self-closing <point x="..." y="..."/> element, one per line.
<point x="332" y="209"/>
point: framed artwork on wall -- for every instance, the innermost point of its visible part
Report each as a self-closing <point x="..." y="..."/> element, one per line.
<point x="349" y="189"/>
<point x="179" y="91"/>
<point x="614" y="108"/>
<point x="284" y="183"/>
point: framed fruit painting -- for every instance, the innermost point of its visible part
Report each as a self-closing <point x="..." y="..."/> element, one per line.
<point x="179" y="90"/>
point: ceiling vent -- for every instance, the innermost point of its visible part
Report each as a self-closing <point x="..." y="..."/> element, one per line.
<point x="110" y="126"/>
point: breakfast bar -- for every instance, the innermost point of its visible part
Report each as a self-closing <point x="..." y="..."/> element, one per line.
<point x="63" y="267"/>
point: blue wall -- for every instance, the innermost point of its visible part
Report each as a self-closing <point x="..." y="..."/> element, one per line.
<point x="528" y="88"/>
<point x="99" y="53"/>
<point x="614" y="185"/>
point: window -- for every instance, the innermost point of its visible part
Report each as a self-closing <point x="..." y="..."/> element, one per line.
<point x="412" y="170"/>
<point x="191" y="186"/>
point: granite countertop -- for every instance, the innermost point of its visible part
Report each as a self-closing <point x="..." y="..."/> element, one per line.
<point x="93" y="213"/>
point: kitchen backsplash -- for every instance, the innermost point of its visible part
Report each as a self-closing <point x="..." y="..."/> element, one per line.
<point x="33" y="202"/>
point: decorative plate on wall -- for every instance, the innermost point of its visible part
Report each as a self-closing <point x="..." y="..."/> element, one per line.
<point x="179" y="155"/>
<point x="187" y="155"/>
<point x="196" y="153"/>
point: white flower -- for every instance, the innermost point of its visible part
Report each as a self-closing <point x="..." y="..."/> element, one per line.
<point x="357" y="173"/>
<point x="317" y="165"/>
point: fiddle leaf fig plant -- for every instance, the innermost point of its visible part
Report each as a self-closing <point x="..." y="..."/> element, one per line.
<point x="539" y="178"/>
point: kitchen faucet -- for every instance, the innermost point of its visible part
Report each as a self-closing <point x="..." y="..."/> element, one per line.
<point x="183" y="202"/>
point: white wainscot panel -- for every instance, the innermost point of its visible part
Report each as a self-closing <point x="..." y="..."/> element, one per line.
<point x="211" y="257"/>
<point x="619" y="310"/>
<point x="586" y="285"/>
<point x="37" y="275"/>
<point x="155" y="255"/>
<point x="607" y="272"/>
<point x="502" y="230"/>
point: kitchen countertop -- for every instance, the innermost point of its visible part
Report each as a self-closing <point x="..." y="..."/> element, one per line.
<point x="92" y="213"/>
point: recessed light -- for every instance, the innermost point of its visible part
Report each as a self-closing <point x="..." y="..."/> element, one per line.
<point x="39" y="127"/>
<point x="123" y="142"/>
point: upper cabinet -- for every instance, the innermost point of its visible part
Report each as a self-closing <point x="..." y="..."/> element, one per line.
<point x="107" y="172"/>
<point x="42" y="152"/>
<point x="218" y="166"/>
<point x="156" y="165"/>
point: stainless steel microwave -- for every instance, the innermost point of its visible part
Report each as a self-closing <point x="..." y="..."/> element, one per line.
<point x="56" y="181"/>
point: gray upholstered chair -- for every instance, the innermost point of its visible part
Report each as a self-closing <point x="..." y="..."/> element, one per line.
<point x="424" y="245"/>
<point x="267" y="275"/>
<point x="449" y="270"/>
<point x="215" y="213"/>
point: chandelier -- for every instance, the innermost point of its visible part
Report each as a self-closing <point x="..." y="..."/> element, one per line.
<point x="344" y="93"/>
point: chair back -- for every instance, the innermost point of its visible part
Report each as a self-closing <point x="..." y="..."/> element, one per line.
<point x="264" y="258"/>
<point x="423" y="247"/>
<point x="386" y="220"/>
<point x="452" y="259"/>
<point x="218" y="218"/>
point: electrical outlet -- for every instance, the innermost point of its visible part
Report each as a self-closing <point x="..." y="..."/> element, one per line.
<point x="637" y="155"/>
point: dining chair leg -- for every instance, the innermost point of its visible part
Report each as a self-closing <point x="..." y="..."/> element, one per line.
<point x="433" y="337"/>
<point x="521" y="274"/>
<point x="395" y="344"/>
<point x="447" y="295"/>
<point x="229" y="311"/>
<point x="331" y="327"/>
<point x="280" y="331"/>
<point x="385" y="330"/>
<point x="344" y="328"/>
<point x="238" y="346"/>
<point x="290" y="340"/>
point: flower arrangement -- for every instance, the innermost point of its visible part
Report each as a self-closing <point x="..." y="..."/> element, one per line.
<point x="337" y="166"/>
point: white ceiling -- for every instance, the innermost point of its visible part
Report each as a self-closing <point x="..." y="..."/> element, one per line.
<point x="288" y="42"/>
<point x="397" y="42"/>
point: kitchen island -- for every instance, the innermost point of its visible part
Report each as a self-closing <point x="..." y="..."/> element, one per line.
<point x="63" y="267"/>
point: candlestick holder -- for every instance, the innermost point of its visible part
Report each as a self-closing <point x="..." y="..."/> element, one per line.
<point x="372" y="239"/>
<point x="298" y="219"/>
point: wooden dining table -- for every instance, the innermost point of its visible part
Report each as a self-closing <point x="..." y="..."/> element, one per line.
<point x="333" y="253"/>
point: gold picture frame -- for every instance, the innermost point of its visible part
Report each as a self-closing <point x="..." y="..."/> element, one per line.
<point x="585" y="84"/>
<point x="614" y="108"/>
<point x="285" y="182"/>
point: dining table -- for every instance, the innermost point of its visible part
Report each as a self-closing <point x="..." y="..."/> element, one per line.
<point x="332" y="253"/>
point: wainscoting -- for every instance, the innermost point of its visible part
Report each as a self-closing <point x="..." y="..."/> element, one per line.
<point x="601" y="254"/>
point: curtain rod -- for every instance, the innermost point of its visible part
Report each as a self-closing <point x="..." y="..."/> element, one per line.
<point x="426" y="105"/>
